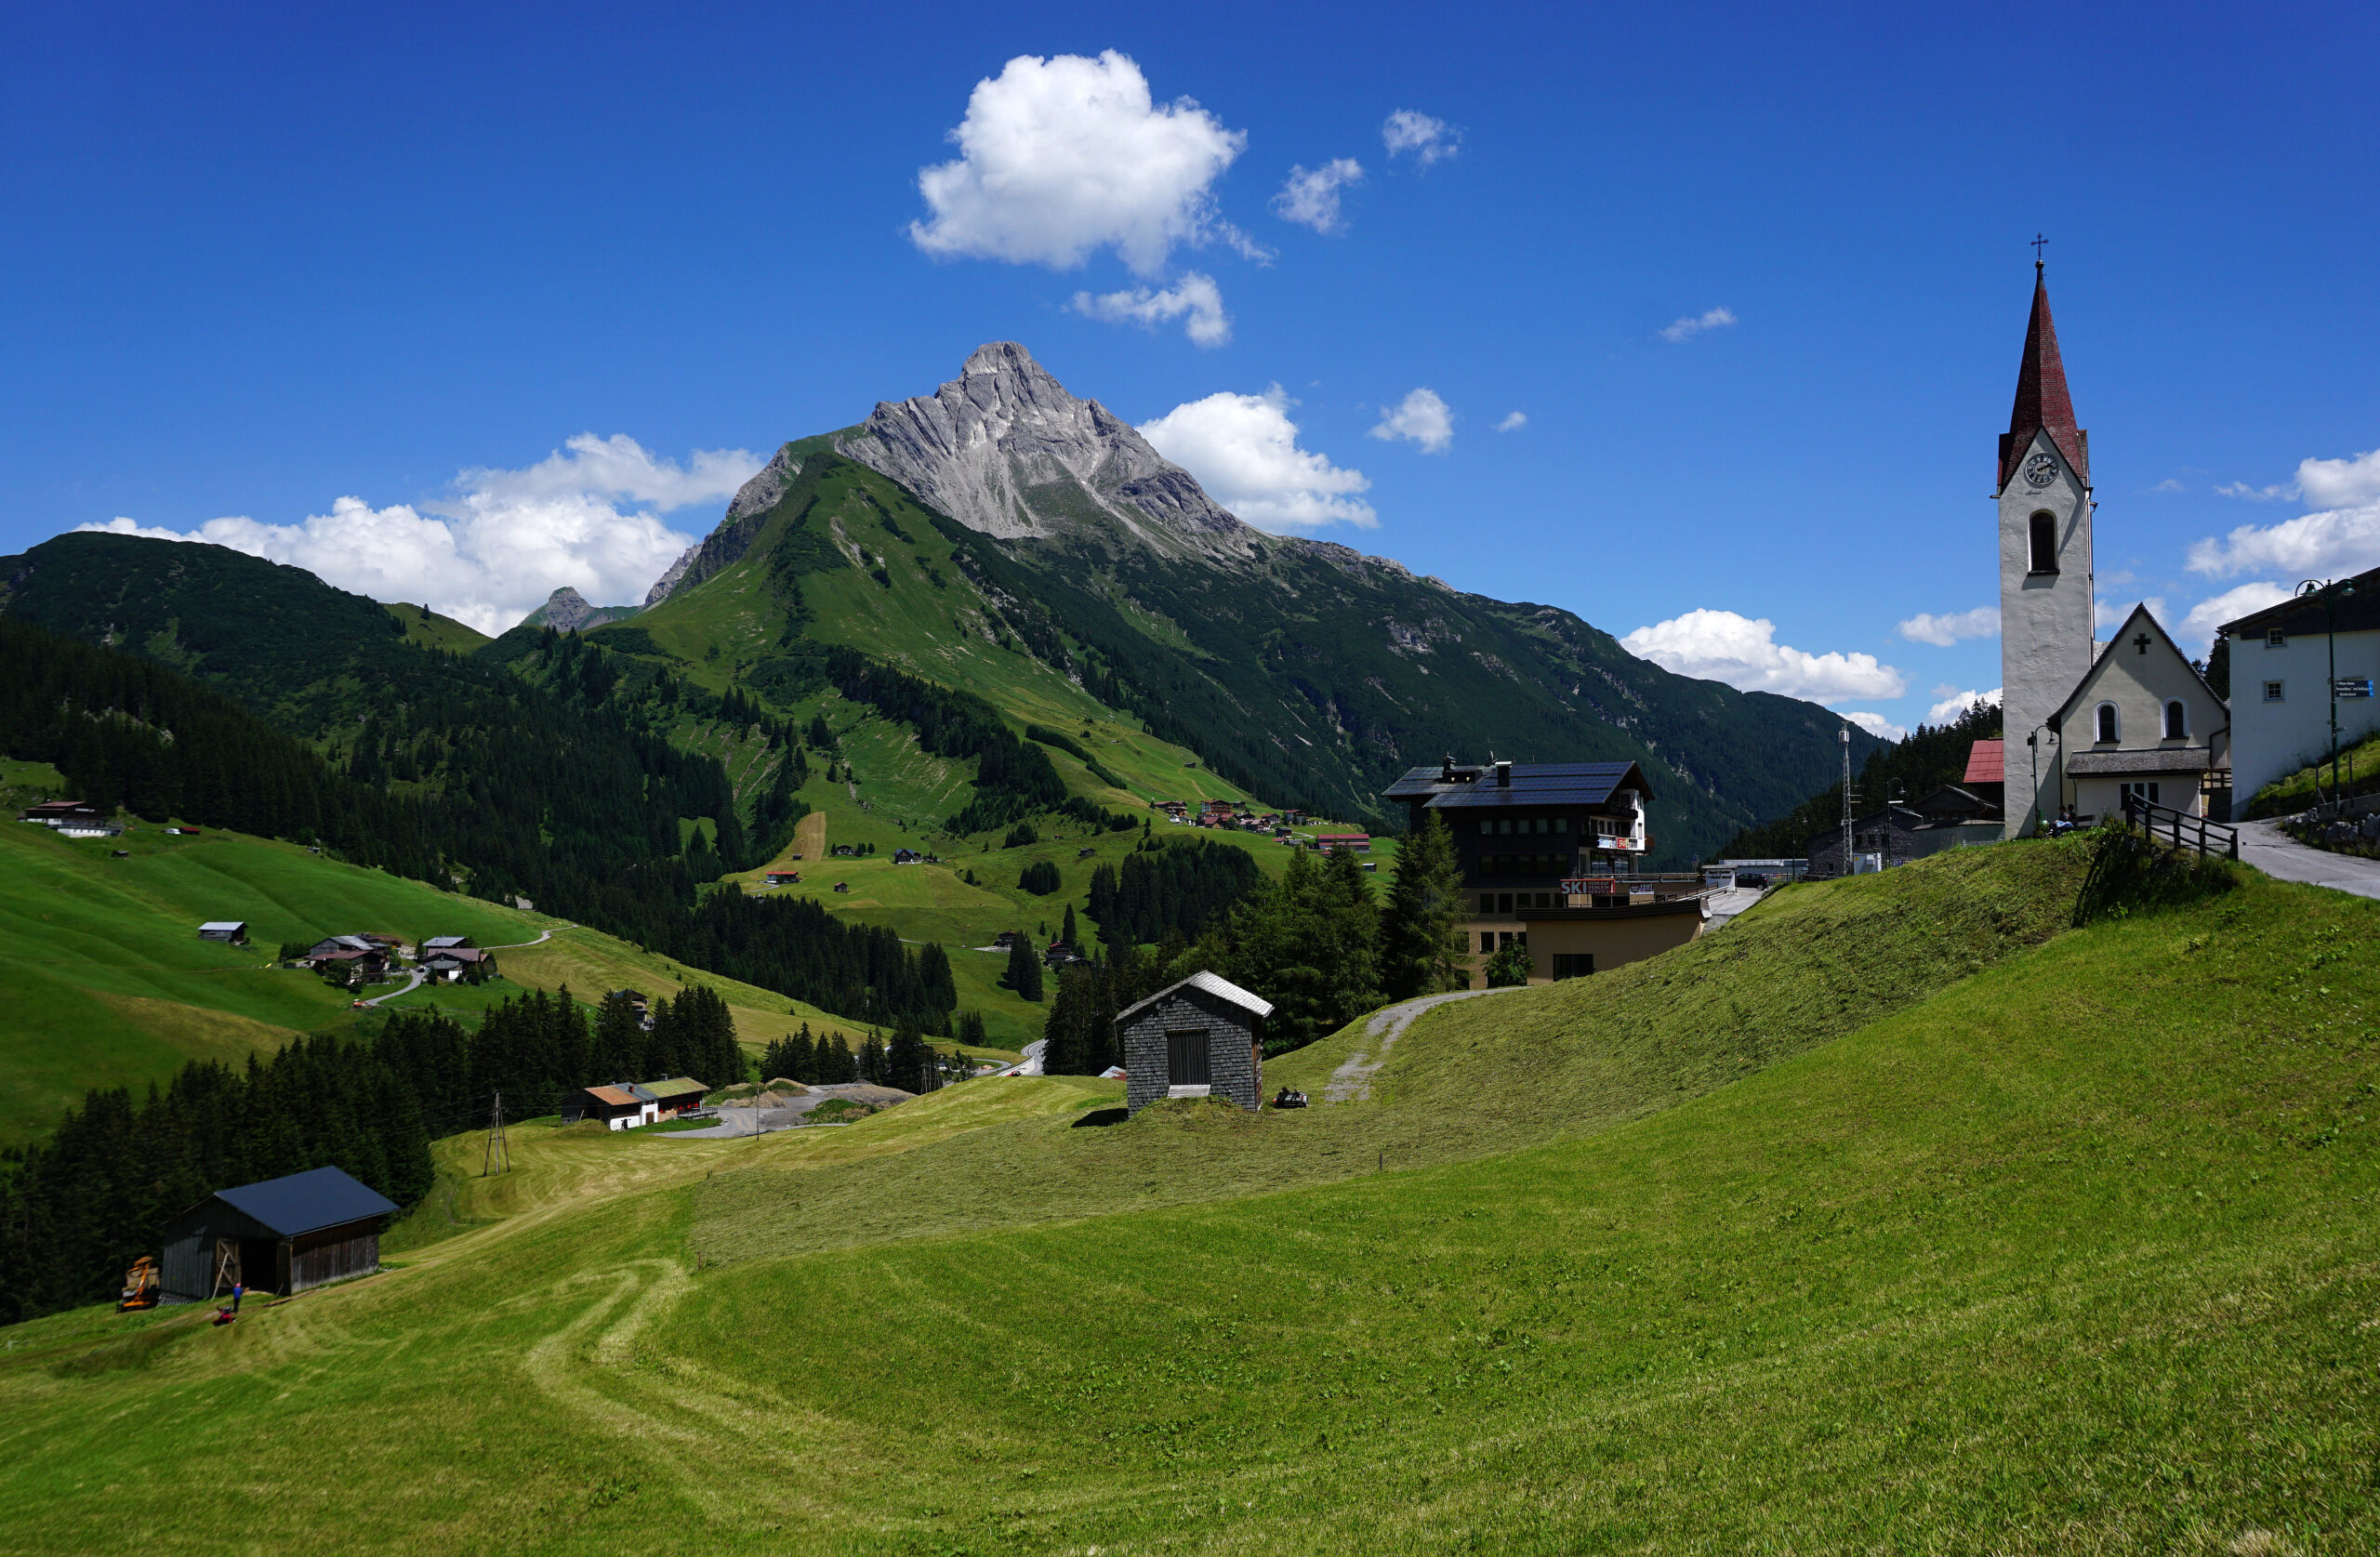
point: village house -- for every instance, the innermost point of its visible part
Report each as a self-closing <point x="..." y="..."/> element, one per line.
<point x="280" y="1236"/>
<point x="626" y="1105"/>
<point x="1527" y="840"/>
<point x="1194" y="1039"/>
<point x="2283" y="660"/>
<point x="61" y="813"/>
<point x="232" y="931"/>
<point x="437" y="944"/>
<point x="782" y="877"/>
<point x="457" y="962"/>
<point x="1352" y="843"/>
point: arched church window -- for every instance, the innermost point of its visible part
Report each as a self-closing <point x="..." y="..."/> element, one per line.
<point x="2108" y="730"/>
<point x="2178" y="720"/>
<point x="2045" y="542"/>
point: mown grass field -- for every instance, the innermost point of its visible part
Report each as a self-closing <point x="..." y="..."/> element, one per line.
<point x="104" y="982"/>
<point x="2062" y="1242"/>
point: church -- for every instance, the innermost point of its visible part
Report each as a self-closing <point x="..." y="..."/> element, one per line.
<point x="2086" y="722"/>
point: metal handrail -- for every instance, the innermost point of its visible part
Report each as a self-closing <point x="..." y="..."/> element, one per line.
<point x="2180" y="827"/>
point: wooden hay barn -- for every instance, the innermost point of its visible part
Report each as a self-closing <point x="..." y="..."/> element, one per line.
<point x="281" y="1236"/>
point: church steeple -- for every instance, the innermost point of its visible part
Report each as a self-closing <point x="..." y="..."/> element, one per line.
<point x="2043" y="403"/>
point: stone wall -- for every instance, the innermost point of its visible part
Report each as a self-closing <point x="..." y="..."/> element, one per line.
<point x="1232" y="1066"/>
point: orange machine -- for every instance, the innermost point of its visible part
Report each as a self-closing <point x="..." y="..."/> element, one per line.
<point x="141" y="1286"/>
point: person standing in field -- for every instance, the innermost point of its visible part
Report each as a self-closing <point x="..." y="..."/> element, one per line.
<point x="237" y="1289"/>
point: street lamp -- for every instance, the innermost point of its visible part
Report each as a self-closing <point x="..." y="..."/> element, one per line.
<point x="2331" y="595"/>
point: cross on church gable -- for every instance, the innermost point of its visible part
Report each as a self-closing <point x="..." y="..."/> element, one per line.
<point x="2140" y="642"/>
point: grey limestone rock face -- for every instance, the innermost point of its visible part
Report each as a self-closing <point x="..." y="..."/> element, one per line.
<point x="1004" y="449"/>
<point x="566" y="610"/>
<point x="733" y="534"/>
<point x="669" y="580"/>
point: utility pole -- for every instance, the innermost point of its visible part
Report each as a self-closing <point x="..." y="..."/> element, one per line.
<point x="2330" y="594"/>
<point x="1849" y="868"/>
<point x="497" y="1151"/>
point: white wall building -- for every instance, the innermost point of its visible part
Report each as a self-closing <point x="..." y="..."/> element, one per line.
<point x="2281" y="675"/>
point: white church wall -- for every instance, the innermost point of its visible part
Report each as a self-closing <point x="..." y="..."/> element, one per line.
<point x="2272" y="737"/>
<point x="2045" y="620"/>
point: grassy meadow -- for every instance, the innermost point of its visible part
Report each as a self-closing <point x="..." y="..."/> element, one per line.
<point x="1898" y="1216"/>
<point x="105" y="983"/>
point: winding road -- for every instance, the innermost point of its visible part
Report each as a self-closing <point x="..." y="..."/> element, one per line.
<point x="415" y="975"/>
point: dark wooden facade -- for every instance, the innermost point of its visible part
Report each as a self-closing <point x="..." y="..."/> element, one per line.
<point x="281" y="1236"/>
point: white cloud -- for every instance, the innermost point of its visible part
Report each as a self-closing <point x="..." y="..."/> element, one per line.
<point x="2169" y="484"/>
<point x="1743" y="651"/>
<point x="1195" y="297"/>
<point x="1877" y="725"/>
<point x="1429" y="139"/>
<point x="1694" y="324"/>
<point x="2200" y="625"/>
<point x="2341" y="537"/>
<point x="2108" y="615"/>
<point x="1514" y="423"/>
<point x="1944" y="630"/>
<point x="492" y="552"/>
<point x="1420" y="418"/>
<point x="2341" y="483"/>
<point x="1064" y="156"/>
<point x="1310" y="198"/>
<point x="1244" y="450"/>
<point x="1957" y="702"/>
<point x="2273" y="493"/>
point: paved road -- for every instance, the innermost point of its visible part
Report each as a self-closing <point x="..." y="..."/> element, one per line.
<point x="1031" y="1063"/>
<point x="1727" y="905"/>
<point x="2264" y="846"/>
<point x="415" y="975"/>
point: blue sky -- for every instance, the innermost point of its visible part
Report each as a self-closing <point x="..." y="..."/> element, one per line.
<point x="346" y="288"/>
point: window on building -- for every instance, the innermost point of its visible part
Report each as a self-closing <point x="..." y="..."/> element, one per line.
<point x="2272" y="691"/>
<point x="1487" y="903"/>
<point x="1573" y="965"/>
<point x="2109" y="729"/>
<point x="1185" y="1055"/>
<point x="2045" y="542"/>
<point x="1561" y="824"/>
<point x="2178" y="720"/>
<point x="1503" y="902"/>
<point x="2146" y="791"/>
<point x="1504" y="937"/>
<point x="1487" y="825"/>
<point x="2276" y="639"/>
<point x="1487" y="939"/>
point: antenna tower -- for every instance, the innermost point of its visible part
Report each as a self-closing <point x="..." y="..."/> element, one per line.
<point x="1850" y="866"/>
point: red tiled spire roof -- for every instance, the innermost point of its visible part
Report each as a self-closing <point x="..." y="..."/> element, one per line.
<point x="2043" y="403"/>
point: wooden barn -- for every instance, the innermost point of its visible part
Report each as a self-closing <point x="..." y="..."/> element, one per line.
<point x="1197" y="1039"/>
<point x="280" y="1236"/>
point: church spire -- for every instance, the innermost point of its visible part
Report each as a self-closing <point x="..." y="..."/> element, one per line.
<point x="2043" y="403"/>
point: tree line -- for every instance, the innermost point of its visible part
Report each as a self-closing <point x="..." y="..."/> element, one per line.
<point x="1317" y="943"/>
<point x="1909" y="770"/>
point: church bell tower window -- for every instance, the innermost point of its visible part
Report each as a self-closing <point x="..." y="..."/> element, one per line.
<point x="2045" y="542"/>
<point x="2107" y="732"/>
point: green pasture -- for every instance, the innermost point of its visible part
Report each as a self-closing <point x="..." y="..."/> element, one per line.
<point x="106" y="983"/>
<point x="1982" y="1234"/>
<point x="430" y="630"/>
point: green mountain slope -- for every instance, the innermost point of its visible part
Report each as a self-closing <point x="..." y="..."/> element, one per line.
<point x="2023" y="1264"/>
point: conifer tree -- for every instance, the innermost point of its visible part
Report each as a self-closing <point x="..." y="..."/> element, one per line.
<point x="1023" y="974"/>
<point x="1423" y="949"/>
<point x="1067" y="930"/>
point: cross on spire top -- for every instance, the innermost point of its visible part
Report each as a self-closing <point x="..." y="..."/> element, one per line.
<point x="2039" y="243"/>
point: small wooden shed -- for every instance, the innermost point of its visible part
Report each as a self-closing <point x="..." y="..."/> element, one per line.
<point x="1198" y="1039"/>
<point x="283" y="1235"/>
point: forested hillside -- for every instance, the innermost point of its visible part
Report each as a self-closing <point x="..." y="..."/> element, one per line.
<point x="1909" y="771"/>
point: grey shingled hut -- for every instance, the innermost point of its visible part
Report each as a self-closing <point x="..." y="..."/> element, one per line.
<point x="283" y="1235"/>
<point x="1197" y="1039"/>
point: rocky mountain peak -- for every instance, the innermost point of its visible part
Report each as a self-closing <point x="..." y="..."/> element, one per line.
<point x="1005" y="449"/>
<point x="568" y="611"/>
